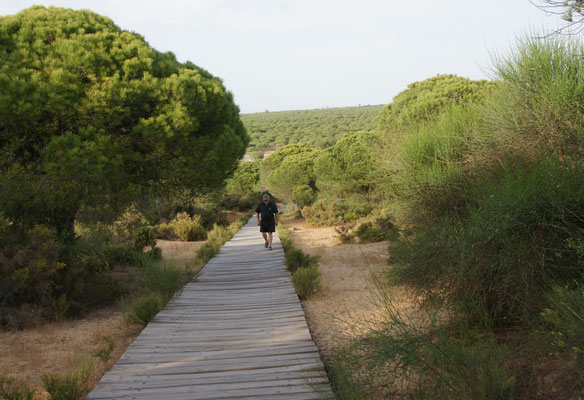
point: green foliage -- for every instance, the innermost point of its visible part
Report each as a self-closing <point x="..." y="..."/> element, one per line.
<point x="297" y="259"/>
<point x="322" y="213"/>
<point x="91" y="115"/>
<point x="70" y="387"/>
<point x="11" y="390"/>
<point x="242" y="191"/>
<point x="348" y="168"/>
<point x="29" y="265"/>
<point x="129" y="223"/>
<point x="141" y="311"/>
<point x="165" y="279"/>
<point x="303" y="195"/>
<point x="422" y="101"/>
<point x="376" y="229"/>
<point x="188" y="228"/>
<point x="245" y="179"/>
<point x="306" y="281"/>
<point x="565" y="317"/>
<point x="321" y="128"/>
<point x="304" y="267"/>
<point x="144" y="237"/>
<point x="295" y="170"/>
<point x="325" y="212"/>
<point x="431" y="180"/>
<point x="541" y="97"/>
<point x="492" y="196"/>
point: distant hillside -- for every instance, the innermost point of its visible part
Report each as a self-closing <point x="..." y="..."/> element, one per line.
<point x="321" y="127"/>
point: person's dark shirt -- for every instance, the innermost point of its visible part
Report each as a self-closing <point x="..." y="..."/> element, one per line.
<point x="267" y="211"/>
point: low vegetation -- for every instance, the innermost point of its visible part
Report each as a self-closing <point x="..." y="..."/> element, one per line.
<point x="321" y="128"/>
<point x="302" y="266"/>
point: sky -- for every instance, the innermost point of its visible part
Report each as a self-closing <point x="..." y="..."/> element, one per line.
<point x="304" y="54"/>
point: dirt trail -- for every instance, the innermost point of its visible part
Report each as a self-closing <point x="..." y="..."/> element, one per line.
<point x="348" y="302"/>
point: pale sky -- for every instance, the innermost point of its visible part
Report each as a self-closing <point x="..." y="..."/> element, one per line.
<point x="304" y="54"/>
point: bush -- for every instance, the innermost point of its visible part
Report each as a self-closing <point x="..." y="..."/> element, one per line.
<point x="11" y="390"/>
<point x="296" y="259"/>
<point x="144" y="237"/>
<point x="306" y="281"/>
<point x="165" y="231"/>
<point x="491" y="198"/>
<point x="188" y="228"/>
<point x="565" y="316"/>
<point x="143" y="310"/>
<point x="303" y="196"/>
<point x="29" y="267"/>
<point x="165" y="280"/>
<point x="70" y="387"/>
<point x="127" y="224"/>
<point x="321" y="213"/>
<point x="376" y="230"/>
<point x="123" y="254"/>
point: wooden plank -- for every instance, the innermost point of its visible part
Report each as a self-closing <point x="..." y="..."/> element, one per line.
<point x="236" y="332"/>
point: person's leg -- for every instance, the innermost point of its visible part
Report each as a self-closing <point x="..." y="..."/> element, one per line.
<point x="265" y="237"/>
<point x="270" y="239"/>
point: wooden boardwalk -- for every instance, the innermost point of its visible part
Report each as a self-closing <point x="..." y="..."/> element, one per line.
<point x="236" y="332"/>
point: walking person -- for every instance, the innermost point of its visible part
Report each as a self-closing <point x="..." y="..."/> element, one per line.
<point x="268" y="212"/>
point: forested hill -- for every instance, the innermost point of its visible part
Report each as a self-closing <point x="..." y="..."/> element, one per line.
<point x="321" y="127"/>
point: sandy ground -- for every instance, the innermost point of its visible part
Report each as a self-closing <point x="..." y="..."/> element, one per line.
<point x="352" y="274"/>
<point x="61" y="347"/>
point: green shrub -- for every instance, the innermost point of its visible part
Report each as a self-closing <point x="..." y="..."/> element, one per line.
<point x="296" y="259"/>
<point x="188" y="228"/>
<point x="11" y="390"/>
<point x="104" y="353"/>
<point x="144" y="237"/>
<point x="376" y="230"/>
<point x="303" y="195"/>
<point x="165" y="279"/>
<point x="284" y="236"/>
<point x="425" y="100"/>
<point x="70" y="387"/>
<point x="61" y="307"/>
<point x="123" y="254"/>
<point x="491" y="198"/>
<point x="306" y="281"/>
<point x="29" y="268"/>
<point x="143" y="310"/>
<point x="498" y="262"/>
<point x="165" y="231"/>
<point x="127" y="224"/>
<point x="565" y="315"/>
<point x="321" y="213"/>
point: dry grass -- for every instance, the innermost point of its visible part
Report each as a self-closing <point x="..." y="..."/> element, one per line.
<point x="348" y="303"/>
<point x="178" y="252"/>
<point x="59" y="348"/>
<point x="62" y="346"/>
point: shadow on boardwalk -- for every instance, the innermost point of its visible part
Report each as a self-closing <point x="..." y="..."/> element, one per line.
<point x="236" y="332"/>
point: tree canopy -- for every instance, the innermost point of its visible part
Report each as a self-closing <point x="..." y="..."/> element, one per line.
<point x="91" y="114"/>
<point x="322" y="127"/>
<point x="424" y="100"/>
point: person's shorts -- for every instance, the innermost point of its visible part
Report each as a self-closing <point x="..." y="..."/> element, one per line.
<point x="268" y="226"/>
